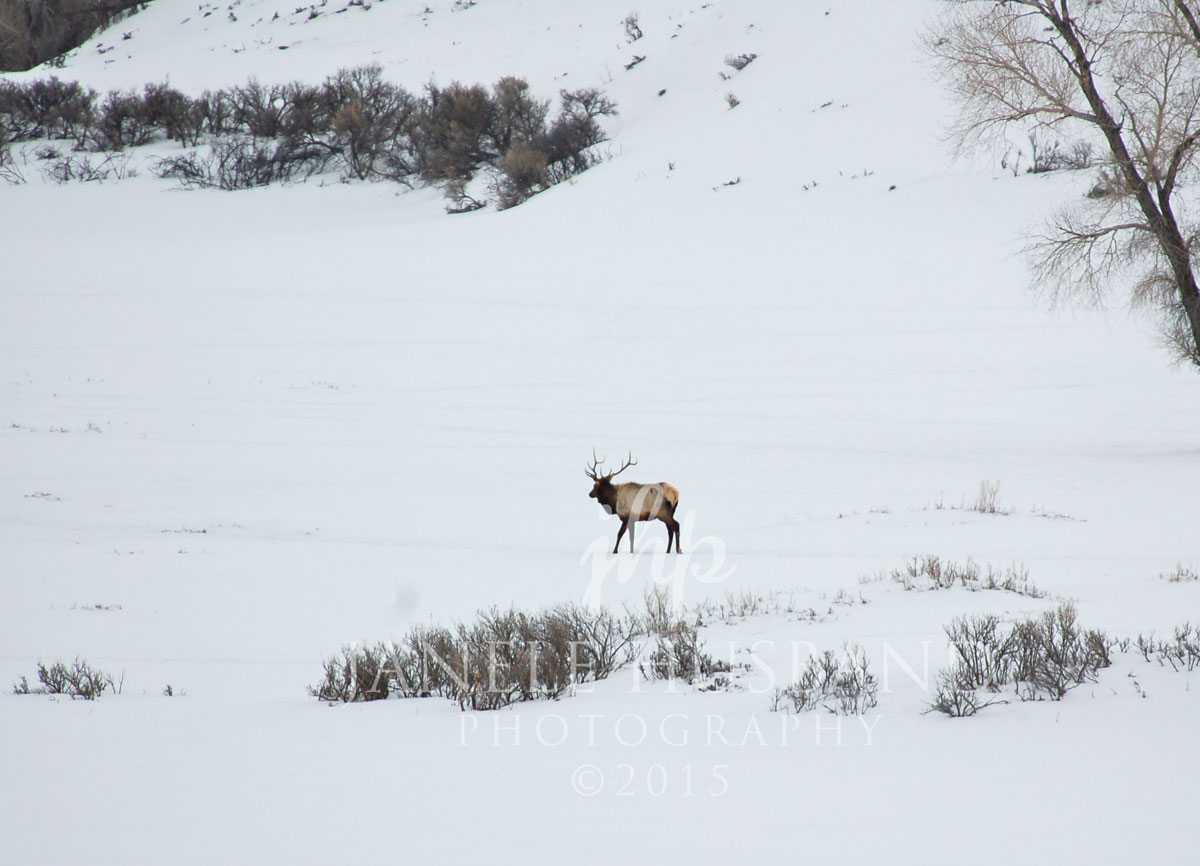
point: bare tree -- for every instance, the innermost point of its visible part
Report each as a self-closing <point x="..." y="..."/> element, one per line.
<point x="1125" y="72"/>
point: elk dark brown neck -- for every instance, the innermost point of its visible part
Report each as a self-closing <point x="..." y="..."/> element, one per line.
<point x="606" y="495"/>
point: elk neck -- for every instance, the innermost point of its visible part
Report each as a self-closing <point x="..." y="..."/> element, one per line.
<point x="606" y="494"/>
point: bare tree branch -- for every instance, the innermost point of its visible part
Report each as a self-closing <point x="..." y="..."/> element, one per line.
<point x="1127" y="71"/>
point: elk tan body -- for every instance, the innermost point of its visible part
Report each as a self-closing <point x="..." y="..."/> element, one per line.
<point x="633" y="502"/>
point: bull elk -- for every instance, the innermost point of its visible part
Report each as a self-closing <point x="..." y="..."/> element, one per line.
<point x="632" y="502"/>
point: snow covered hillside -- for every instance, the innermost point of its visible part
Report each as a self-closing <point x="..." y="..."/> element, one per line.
<point x="242" y="429"/>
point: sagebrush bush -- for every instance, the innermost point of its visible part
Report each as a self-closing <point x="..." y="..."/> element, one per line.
<point x="1182" y="652"/>
<point x="87" y="168"/>
<point x="673" y="647"/>
<point x="739" y="62"/>
<point x="524" y="173"/>
<point x="503" y="657"/>
<point x="451" y="133"/>
<point x="1054" y="156"/>
<point x="1181" y="574"/>
<point x="259" y="109"/>
<point x="355" y="120"/>
<point x="956" y="696"/>
<point x="1039" y="657"/>
<point x="1052" y="655"/>
<point x="840" y="683"/>
<point x="987" y="501"/>
<point x="633" y="31"/>
<point x="372" y="120"/>
<point x="677" y="655"/>
<point x="77" y="680"/>
<point x="123" y="120"/>
<point x="568" y="143"/>
<point x="932" y="573"/>
<point x="519" y="115"/>
<point x="47" y="108"/>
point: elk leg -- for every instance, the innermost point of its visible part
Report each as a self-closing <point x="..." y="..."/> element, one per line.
<point x="631" y="522"/>
<point x="673" y="529"/>
<point x="666" y="521"/>
<point x="620" y="535"/>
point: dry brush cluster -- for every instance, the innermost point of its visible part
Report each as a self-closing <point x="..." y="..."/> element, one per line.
<point x="356" y="123"/>
<point x="76" y="680"/>
<point x="510" y="656"/>
<point x="1181" y="651"/>
<point x="1036" y="658"/>
<point x="932" y="573"/>
<point x="841" y="683"/>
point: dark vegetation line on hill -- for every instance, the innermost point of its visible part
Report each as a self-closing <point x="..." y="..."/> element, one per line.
<point x="355" y="123"/>
<point x="34" y="31"/>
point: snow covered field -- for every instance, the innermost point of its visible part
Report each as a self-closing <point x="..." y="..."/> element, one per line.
<point x="240" y="430"/>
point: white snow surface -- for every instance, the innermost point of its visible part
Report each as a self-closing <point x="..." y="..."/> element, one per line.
<point x="252" y="427"/>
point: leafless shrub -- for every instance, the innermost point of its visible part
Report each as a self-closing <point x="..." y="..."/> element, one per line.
<point x="46" y="108"/>
<point x="840" y="683"/>
<point x="77" y="680"/>
<point x="372" y="119"/>
<point x="259" y="109"/>
<point x="1181" y="574"/>
<point x="745" y="603"/>
<point x="519" y="115"/>
<point x="931" y="573"/>
<point x="459" y="198"/>
<point x="191" y="170"/>
<point x="170" y="110"/>
<point x="9" y="171"/>
<point x="1047" y="155"/>
<point x="524" y="173"/>
<point x="219" y="112"/>
<point x="732" y="100"/>
<point x="451" y="131"/>
<point x="659" y="615"/>
<point x="356" y="675"/>
<point x="739" y="62"/>
<point x="122" y="121"/>
<point x="677" y="654"/>
<point x="984" y="655"/>
<point x="89" y="168"/>
<point x="632" y="31"/>
<point x="956" y="696"/>
<point x="503" y="657"/>
<point x="986" y="501"/>
<point x="570" y="139"/>
<point x="1052" y="655"/>
<point x="257" y="133"/>
<point x="241" y="162"/>
<point x="1181" y="653"/>
<point x="1041" y="657"/>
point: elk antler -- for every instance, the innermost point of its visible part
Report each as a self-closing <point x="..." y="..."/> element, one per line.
<point x="593" y="471"/>
<point x="629" y="461"/>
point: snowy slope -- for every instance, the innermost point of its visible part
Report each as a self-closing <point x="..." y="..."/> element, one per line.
<point x="254" y="426"/>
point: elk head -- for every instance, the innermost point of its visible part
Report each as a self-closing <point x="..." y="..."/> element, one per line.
<point x="602" y="487"/>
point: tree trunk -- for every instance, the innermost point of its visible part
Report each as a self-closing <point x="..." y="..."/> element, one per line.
<point x="1159" y="214"/>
